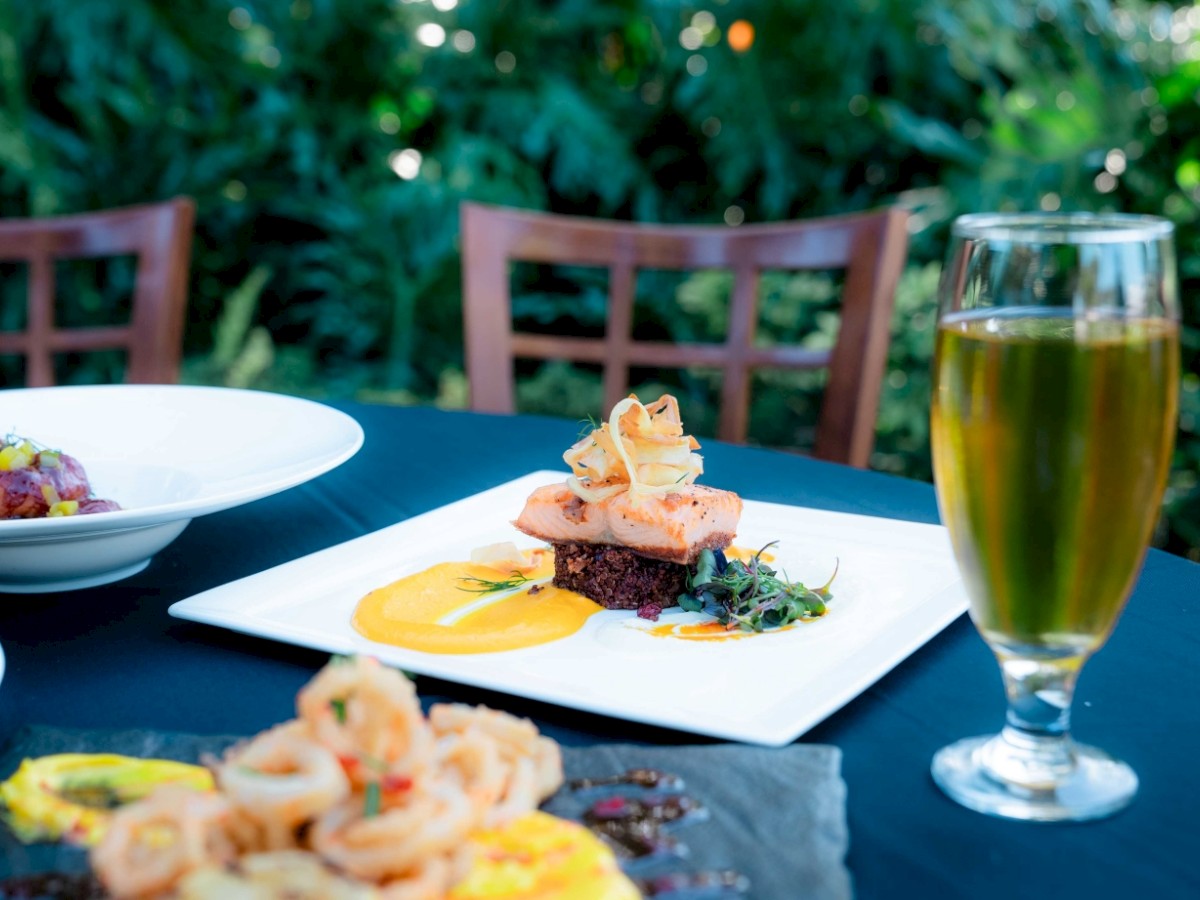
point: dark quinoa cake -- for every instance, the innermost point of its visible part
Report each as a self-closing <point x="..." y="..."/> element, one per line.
<point x="618" y="578"/>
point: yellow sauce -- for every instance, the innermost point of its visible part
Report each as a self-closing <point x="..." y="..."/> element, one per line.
<point x="418" y="612"/>
<point x="70" y="796"/>
<point x="745" y="554"/>
<point x="540" y="857"/>
<point x="699" y="631"/>
<point x="705" y="631"/>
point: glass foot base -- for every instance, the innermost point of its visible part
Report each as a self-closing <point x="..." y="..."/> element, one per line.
<point x="1096" y="786"/>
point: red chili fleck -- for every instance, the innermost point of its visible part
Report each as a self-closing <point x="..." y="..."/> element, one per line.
<point x="612" y="808"/>
<point x="392" y="783"/>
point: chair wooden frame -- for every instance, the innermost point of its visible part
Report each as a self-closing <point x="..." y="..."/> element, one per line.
<point x="870" y="247"/>
<point x="158" y="234"/>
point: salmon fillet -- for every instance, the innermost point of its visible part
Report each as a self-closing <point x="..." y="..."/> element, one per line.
<point x="672" y="527"/>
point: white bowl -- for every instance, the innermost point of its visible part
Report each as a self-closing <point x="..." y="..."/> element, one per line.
<point x="166" y="454"/>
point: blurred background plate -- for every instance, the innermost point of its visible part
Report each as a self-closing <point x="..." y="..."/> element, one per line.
<point x="166" y="454"/>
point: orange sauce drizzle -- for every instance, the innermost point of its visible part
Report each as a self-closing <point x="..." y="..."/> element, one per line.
<point x="426" y="611"/>
<point x="420" y="612"/>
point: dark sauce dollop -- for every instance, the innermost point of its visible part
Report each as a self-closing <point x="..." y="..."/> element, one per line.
<point x="694" y="883"/>
<point x="634" y="825"/>
<point x="640" y="826"/>
<point x="655" y="779"/>
<point x="52" y="886"/>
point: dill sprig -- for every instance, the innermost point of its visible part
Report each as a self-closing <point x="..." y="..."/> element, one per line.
<point x="13" y="439"/>
<point x="587" y="426"/>
<point x="486" y="586"/>
<point x="750" y="595"/>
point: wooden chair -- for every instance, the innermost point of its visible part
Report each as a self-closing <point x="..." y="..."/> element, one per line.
<point x="158" y="234"/>
<point x="870" y="247"/>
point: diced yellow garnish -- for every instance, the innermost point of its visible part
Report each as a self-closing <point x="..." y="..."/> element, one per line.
<point x="16" y="456"/>
<point x="540" y="857"/>
<point x="63" y="508"/>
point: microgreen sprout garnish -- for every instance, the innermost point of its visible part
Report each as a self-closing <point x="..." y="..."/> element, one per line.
<point x="750" y="596"/>
<point x="12" y="439"/>
<point x="338" y="705"/>
<point x="485" y="586"/>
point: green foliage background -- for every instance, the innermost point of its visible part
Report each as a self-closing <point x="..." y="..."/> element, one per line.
<point x="318" y="270"/>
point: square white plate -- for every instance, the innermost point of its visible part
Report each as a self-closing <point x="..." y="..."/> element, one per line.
<point x="897" y="587"/>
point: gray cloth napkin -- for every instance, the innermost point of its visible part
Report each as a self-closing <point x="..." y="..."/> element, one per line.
<point x="777" y="816"/>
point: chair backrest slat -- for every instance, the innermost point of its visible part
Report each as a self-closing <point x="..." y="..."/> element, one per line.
<point x="159" y="235"/>
<point x="619" y="330"/>
<point x="39" y="366"/>
<point x="870" y="247"/>
<point x="846" y="428"/>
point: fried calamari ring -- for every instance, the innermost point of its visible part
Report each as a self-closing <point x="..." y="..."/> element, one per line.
<point x="282" y="779"/>
<point x="369" y="716"/>
<point x="396" y="841"/>
<point x="472" y="762"/>
<point x="428" y="881"/>
<point x="153" y="843"/>
<point x="533" y="762"/>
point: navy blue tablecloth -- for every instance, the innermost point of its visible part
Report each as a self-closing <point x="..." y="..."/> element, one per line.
<point x="111" y="657"/>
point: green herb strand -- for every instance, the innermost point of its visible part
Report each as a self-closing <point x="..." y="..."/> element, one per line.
<point x="515" y="580"/>
<point x="372" y="800"/>
<point x="338" y="705"/>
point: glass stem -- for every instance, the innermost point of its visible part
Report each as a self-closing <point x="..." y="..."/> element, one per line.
<point x="1034" y="750"/>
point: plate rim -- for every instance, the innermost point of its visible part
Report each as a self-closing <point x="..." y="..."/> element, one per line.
<point x="16" y="531"/>
<point x="945" y="604"/>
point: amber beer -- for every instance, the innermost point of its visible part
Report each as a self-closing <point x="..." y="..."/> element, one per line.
<point x="1052" y="439"/>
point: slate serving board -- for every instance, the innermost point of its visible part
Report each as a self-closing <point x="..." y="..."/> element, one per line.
<point x="777" y="816"/>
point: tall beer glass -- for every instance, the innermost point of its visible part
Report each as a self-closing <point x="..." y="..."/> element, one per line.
<point x="1053" y="417"/>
